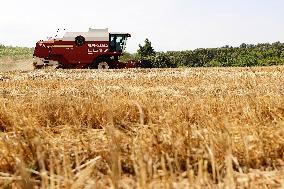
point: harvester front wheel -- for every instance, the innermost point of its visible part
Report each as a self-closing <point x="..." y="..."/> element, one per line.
<point x="101" y="63"/>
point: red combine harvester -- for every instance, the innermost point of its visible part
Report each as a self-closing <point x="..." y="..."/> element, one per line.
<point x="95" y="49"/>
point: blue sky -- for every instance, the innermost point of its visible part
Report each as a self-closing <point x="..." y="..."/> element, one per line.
<point x="169" y="24"/>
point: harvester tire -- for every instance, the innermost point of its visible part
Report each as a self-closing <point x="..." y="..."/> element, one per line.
<point x="101" y="63"/>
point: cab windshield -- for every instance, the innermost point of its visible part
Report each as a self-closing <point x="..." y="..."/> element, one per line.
<point x="118" y="42"/>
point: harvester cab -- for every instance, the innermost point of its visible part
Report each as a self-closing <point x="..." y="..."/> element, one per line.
<point x="118" y="41"/>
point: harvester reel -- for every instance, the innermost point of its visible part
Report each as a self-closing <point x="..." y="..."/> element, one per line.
<point x="80" y="40"/>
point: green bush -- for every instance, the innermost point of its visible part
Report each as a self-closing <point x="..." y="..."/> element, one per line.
<point x="15" y="53"/>
<point x="162" y="60"/>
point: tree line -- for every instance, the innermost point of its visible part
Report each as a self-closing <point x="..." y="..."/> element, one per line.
<point x="263" y="54"/>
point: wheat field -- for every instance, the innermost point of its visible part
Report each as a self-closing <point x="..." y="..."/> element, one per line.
<point x="158" y="128"/>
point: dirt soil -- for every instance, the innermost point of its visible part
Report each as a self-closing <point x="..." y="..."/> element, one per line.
<point x="15" y="65"/>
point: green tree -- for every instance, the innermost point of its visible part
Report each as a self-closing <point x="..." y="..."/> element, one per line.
<point x="146" y="50"/>
<point x="126" y="56"/>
